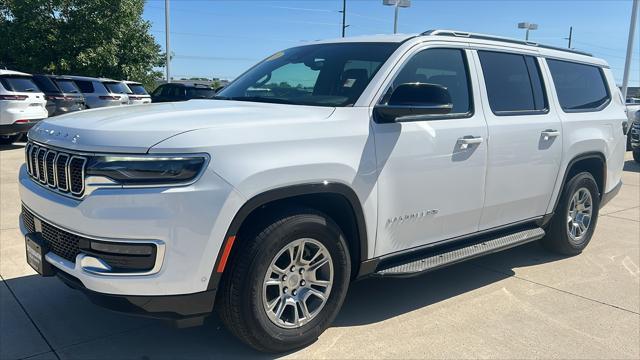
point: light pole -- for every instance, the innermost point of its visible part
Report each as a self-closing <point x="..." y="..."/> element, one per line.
<point x="627" y="63"/>
<point x="397" y="4"/>
<point x="344" y="17"/>
<point x="528" y="26"/>
<point x="166" y="35"/>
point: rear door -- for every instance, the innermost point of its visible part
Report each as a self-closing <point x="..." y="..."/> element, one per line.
<point x="525" y="138"/>
<point x="431" y="182"/>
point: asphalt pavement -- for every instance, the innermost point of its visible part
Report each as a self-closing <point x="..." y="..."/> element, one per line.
<point x="521" y="303"/>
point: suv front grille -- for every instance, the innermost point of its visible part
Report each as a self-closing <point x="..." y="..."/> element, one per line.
<point x="56" y="169"/>
<point x="60" y="242"/>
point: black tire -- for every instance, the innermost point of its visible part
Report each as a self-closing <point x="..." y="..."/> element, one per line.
<point x="636" y="155"/>
<point x="558" y="238"/>
<point x="239" y="301"/>
<point x="9" y="139"/>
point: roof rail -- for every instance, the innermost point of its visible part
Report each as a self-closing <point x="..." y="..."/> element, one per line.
<point x="499" y="38"/>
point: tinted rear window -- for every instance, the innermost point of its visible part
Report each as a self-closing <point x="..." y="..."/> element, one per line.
<point x="580" y="87"/>
<point x="514" y="83"/>
<point x="85" y="86"/>
<point x="115" y="87"/>
<point x="137" y="89"/>
<point x="19" y="84"/>
<point x="45" y="84"/>
<point x="67" y="86"/>
<point x="200" y="93"/>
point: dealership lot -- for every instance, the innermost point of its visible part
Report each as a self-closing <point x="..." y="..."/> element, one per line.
<point x="522" y="303"/>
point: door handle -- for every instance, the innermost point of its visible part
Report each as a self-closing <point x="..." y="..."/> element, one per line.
<point x="549" y="133"/>
<point x="469" y="140"/>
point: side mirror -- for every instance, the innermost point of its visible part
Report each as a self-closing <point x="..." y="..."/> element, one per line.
<point x="410" y="101"/>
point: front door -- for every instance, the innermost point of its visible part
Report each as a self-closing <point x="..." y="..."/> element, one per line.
<point x="525" y="138"/>
<point x="432" y="170"/>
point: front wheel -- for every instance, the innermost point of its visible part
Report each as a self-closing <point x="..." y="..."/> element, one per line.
<point x="574" y="222"/>
<point x="636" y="155"/>
<point x="287" y="283"/>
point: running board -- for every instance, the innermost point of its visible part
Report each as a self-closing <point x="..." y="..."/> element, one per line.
<point x="455" y="254"/>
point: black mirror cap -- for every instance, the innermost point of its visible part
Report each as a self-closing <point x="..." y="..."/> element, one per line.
<point x="410" y="101"/>
<point x="419" y="94"/>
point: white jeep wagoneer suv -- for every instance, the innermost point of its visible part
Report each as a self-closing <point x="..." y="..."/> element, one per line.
<point x="323" y="164"/>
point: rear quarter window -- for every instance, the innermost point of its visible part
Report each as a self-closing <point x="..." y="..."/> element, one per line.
<point x="580" y="87"/>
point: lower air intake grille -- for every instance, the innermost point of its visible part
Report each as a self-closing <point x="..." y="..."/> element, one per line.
<point x="60" y="242"/>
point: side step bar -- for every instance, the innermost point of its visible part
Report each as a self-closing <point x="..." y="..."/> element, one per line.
<point x="457" y="253"/>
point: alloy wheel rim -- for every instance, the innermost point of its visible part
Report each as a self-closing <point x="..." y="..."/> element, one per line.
<point x="297" y="283"/>
<point x="579" y="215"/>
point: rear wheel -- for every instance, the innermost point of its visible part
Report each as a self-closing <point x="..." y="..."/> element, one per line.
<point x="576" y="215"/>
<point x="286" y="284"/>
<point x="9" y="139"/>
<point x="636" y="155"/>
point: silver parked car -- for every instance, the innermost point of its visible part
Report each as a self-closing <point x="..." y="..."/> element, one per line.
<point x="137" y="93"/>
<point x="101" y="92"/>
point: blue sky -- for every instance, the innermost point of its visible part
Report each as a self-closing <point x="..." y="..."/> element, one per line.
<point x="222" y="38"/>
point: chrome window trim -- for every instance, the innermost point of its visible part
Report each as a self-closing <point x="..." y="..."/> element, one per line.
<point x="160" y="250"/>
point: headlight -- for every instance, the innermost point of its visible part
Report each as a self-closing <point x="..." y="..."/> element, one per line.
<point x="144" y="170"/>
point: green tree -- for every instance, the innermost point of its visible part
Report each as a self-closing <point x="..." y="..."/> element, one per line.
<point x="81" y="37"/>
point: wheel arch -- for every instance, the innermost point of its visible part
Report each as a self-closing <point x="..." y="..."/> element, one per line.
<point x="593" y="162"/>
<point x="331" y="195"/>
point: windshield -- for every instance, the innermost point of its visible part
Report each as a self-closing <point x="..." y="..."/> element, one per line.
<point x="67" y="86"/>
<point x="115" y="87"/>
<point x="319" y="75"/>
<point x="137" y="89"/>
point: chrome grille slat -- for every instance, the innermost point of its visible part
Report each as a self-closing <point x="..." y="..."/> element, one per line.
<point x="42" y="167"/>
<point x="56" y="169"/>
<point x="49" y="159"/>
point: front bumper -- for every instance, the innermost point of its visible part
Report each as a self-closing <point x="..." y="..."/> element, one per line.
<point x="191" y="222"/>
<point x="172" y="307"/>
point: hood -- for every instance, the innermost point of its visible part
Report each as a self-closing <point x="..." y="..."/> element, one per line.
<point x="136" y="128"/>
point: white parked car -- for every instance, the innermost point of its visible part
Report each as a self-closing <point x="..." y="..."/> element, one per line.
<point x="101" y="92"/>
<point x="137" y="93"/>
<point x="22" y="104"/>
<point x="385" y="156"/>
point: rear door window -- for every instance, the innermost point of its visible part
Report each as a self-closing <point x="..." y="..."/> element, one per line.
<point x="513" y="82"/>
<point x="580" y="87"/>
<point x="19" y="84"/>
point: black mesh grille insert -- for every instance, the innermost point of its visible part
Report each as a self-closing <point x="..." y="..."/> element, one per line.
<point x="41" y="165"/>
<point x="76" y="169"/>
<point x="60" y="242"/>
<point x="61" y="169"/>
<point x="50" y="157"/>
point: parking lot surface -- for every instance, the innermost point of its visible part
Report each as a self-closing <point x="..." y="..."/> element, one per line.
<point x="521" y="303"/>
